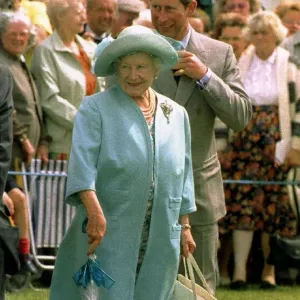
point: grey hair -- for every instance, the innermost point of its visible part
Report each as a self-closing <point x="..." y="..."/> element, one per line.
<point x="264" y="19"/>
<point x="155" y="59"/>
<point x="7" y="17"/>
<point x="56" y="7"/>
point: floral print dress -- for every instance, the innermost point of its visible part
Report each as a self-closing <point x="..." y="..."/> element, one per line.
<point x="251" y="156"/>
<point x="147" y="221"/>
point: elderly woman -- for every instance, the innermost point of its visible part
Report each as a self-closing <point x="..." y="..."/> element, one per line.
<point x="61" y="66"/>
<point x="30" y="138"/>
<point x="230" y="28"/>
<point x="242" y="7"/>
<point x="271" y="82"/>
<point x="130" y="174"/>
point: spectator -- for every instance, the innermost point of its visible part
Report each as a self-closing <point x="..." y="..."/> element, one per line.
<point x="200" y="21"/>
<point x="29" y="132"/>
<point x="30" y="137"/>
<point x="243" y="7"/>
<point x="6" y="140"/>
<point x="289" y="14"/>
<point x="36" y="11"/>
<point x="128" y="11"/>
<point x="230" y="28"/>
<point x="16" y="201"/>
<point x="100" y="15"/>
<point x="208" y="85"/>
<point x="145" y="16"/>
<point x="61" y="65"/>
<point x="272" y="84"/>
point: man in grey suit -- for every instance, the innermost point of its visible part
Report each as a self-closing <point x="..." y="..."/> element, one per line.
<point x="6" y="138"/>
<point x="209" y="86"/>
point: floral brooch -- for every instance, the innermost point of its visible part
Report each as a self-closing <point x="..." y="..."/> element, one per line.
<point x="167" y="109"/>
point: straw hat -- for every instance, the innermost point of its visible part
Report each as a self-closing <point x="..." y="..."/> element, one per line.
<point x="133" y="39"/>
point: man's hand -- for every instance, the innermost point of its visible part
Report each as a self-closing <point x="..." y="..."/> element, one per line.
<point x="189" y="65"/>
<point x="43" y="153"/>
<point x="29" y="151"/>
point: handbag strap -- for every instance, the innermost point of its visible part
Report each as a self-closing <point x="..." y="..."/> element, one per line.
<point x="185" y="268"/>
<point x="192" y="277"/>
<point x="198" y="272"/>
<point x="192" y="265"/>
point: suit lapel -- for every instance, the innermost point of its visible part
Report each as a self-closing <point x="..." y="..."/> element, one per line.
<point x="166" y="84"/>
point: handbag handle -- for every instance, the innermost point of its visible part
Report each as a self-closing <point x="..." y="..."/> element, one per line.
<point x="192" y="265"/>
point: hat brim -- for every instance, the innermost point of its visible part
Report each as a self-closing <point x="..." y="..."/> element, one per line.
<point x="144" y="42"/>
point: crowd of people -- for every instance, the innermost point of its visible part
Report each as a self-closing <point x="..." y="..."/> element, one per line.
<point x="98" y="83"/>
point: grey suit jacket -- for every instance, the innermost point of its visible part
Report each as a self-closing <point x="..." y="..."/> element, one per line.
<point x="6" y="135"/>
<point x="28" y="116"/>
<point x="223" y="97"/>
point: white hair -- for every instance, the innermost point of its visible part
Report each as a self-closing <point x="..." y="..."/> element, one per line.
<point x="264" y="19"/>
<point x="7" y="17"/>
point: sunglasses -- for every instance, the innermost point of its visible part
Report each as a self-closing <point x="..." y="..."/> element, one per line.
<point x="233" y="6"/>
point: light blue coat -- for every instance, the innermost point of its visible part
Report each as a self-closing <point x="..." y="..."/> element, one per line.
<point x="112" y="154"/>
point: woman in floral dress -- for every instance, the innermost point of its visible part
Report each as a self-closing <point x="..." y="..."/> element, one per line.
<point x="270" y="81"/>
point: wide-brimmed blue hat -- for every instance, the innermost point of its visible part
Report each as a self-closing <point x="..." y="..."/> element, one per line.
<point x="133" y="39"/>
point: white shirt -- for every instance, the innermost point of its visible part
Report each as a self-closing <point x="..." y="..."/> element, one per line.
<point x="261" y="82"/>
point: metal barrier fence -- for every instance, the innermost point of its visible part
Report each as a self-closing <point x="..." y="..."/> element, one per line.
<point x="50" y="217"/>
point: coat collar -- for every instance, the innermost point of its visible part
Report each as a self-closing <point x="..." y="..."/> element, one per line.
<point x="58" y="45"/>
<point x="161" y="101"/>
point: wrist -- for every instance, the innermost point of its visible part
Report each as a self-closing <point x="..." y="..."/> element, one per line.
<point x="186" y="226"/>
<point x="22" y="138"/>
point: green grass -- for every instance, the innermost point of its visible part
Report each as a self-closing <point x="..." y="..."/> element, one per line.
<point x="29" y="295"/>
<point x="253" y="293"/>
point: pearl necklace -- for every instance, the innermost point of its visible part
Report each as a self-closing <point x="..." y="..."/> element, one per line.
<point x="149" y="111"/>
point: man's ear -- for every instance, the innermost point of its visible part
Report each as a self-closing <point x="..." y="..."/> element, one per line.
<point x="191" y="7"/>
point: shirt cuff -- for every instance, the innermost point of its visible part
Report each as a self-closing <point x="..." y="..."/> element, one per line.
<point x="202" y="83"/>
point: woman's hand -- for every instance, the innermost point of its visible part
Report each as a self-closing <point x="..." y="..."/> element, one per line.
<point x="96" y="225"/>
<point x="187" y="242"/>
<point x="95" y="229"/>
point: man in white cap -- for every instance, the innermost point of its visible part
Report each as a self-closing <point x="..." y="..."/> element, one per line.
<point x="127" y="12"/>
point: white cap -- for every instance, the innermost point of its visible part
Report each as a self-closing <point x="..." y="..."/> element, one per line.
<point x="134" y="6"/>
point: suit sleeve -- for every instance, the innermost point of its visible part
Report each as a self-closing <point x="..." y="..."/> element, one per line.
<point x="86" y="142"/>
<point x="6" y="134"/>
<point x="228" y="97"/>
<point x="188" y="195"/>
